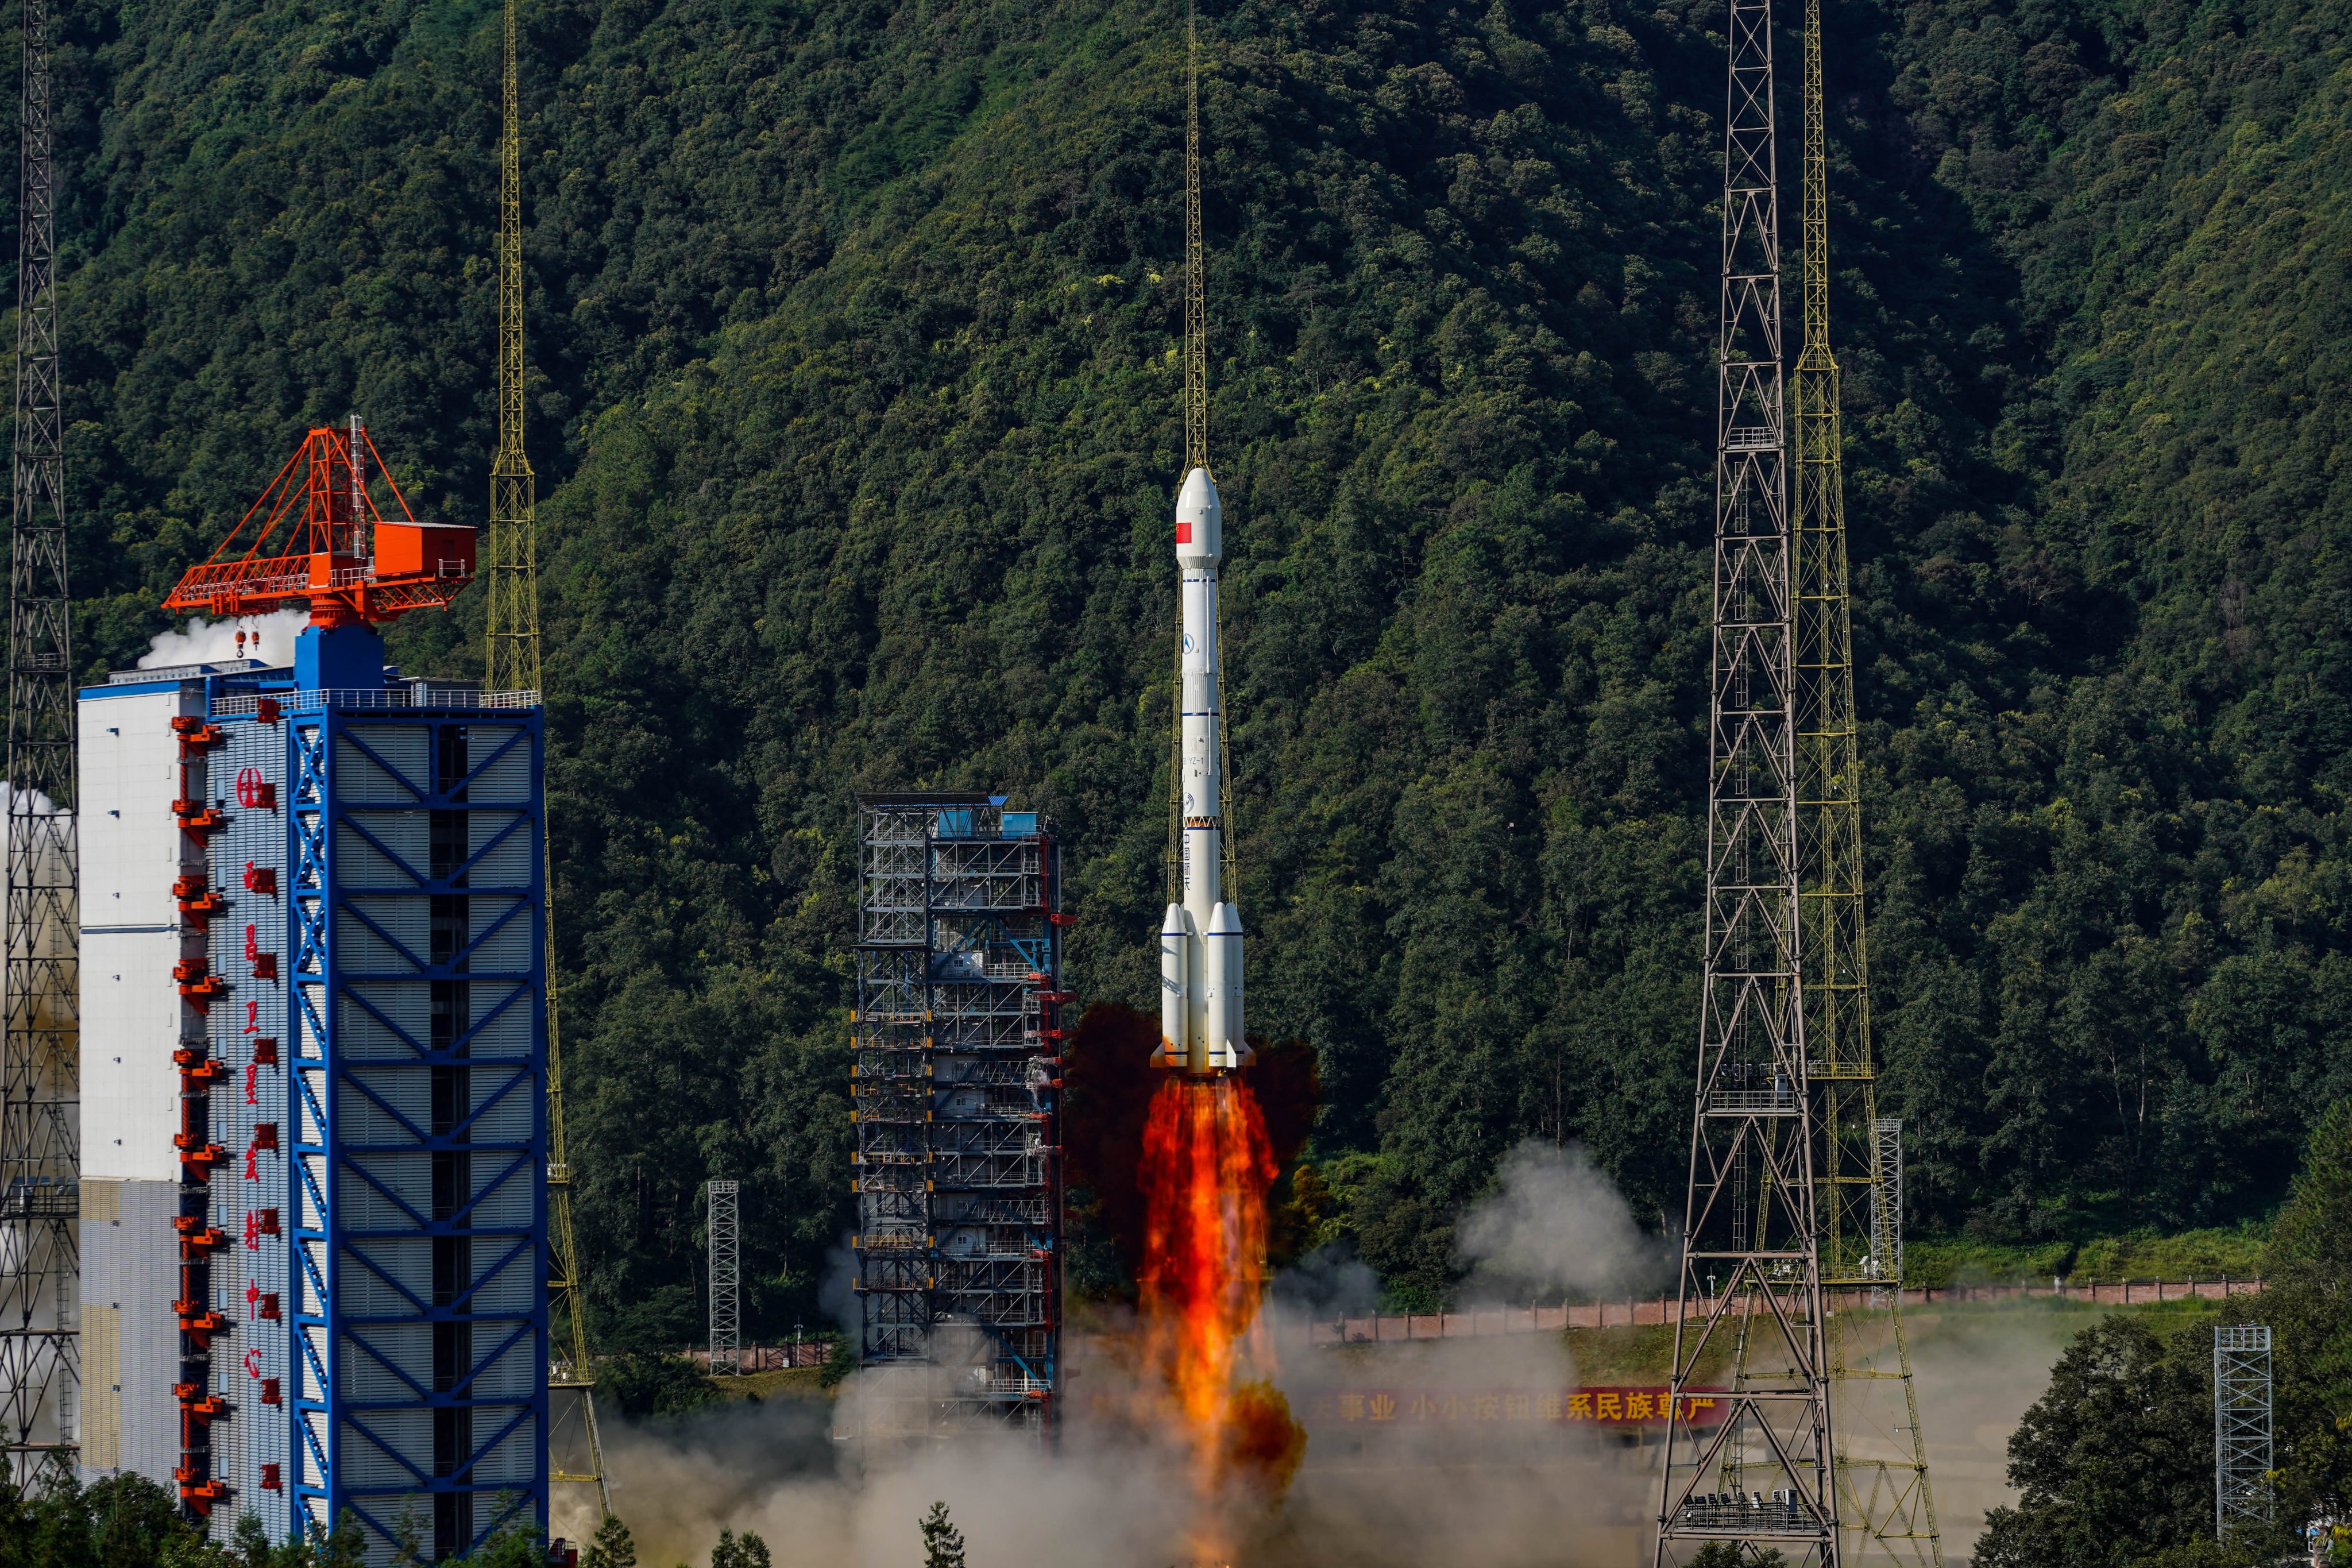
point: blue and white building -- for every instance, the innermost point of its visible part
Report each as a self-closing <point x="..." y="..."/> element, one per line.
<point x="314" y="1046"/>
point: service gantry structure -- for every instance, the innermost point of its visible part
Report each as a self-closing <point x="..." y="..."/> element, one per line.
<point x="39" y="1060"/>
<point x="1751" y="1270"/>
<point x="512" y="649"/>
<point x="956" y="1091"/>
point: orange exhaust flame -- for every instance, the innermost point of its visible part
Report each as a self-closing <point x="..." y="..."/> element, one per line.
<point x="1206" y="1167"/>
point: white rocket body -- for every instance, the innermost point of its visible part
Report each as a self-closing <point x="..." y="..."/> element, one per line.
<point x="1201" y="939"/>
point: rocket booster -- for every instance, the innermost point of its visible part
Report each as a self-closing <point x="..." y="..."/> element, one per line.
<point x="1201" y="937"/>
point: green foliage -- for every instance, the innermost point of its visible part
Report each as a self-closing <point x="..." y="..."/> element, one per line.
<point x="612" y="1547"/>
<point x="839" y="1363"/>
<point x="744" y="1550"/>
<point x="129" y="1521"/>
<point x="2215" y="1252"/>
<point x="517" y="1544"/>
<point x="1728" y="1554"/>
<point x="2308" y="1305"/>
<point x="2117" y="1459"/>
<point x="943" y="1541"/>
<point x="2114" y="1465"/>
<point x="649" y="1383"/>
<point x="856" y="416"/>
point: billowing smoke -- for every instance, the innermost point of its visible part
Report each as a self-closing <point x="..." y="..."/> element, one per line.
<point x="269" y="638"/>
<point x="1555" y="1227"/>
<point x="1329" y="1282"/>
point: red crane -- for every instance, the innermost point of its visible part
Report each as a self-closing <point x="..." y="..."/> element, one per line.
<point x="316" y="538"/>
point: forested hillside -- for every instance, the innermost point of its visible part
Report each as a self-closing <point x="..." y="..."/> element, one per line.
<point x="856" y="418"/>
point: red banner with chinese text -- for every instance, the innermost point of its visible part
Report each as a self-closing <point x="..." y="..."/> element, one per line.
<point x="1571" y="1407"/>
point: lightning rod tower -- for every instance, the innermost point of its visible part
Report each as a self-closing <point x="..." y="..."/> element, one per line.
<point x="1885" y="1505"/>
<point x="39" y="1120"/>
<point x="513" y="663"/>
<point x="1759" y="1479"/>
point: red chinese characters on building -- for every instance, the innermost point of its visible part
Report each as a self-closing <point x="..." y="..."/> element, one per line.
<point x="265" y="964"/>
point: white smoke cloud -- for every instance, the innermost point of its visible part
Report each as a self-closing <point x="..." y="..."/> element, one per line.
<point x="1554" y="1227"/>
<point x="208" y="642"/>
<point x="1329" y="1282"/>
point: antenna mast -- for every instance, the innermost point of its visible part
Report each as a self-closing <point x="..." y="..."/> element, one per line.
<point x="1751" y="1278"/>
<point x="1889" y="1512"/>
<point x="513" y="665"/>
<point x="40" y="1075"/>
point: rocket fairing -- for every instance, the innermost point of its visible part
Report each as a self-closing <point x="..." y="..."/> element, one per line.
<point x="1201" y="937"/>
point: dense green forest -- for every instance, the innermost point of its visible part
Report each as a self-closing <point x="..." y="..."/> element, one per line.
<point x="855" y="403"/>
<point x="2113" y="1465"/>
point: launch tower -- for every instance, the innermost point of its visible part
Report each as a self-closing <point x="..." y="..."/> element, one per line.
<point x="316" y="1048"/>
<point x="956" y="1090"/>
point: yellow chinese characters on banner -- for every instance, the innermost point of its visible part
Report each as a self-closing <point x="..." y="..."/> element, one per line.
<point x="1596" y="1406"/>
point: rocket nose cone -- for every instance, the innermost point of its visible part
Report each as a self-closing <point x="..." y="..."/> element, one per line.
<point x="1224" y="921"/>
<point x="1199" y="520"/>
<point x="1199" y="497"/>
<point x="1175" y="922"/>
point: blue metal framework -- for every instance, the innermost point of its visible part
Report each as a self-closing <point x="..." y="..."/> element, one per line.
<point x="957" y="1095"/>
<point x="390" y="1129"/>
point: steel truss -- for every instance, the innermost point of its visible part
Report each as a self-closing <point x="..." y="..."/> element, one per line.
<point x="725" y="1276"/>
<point x="2242" y="1427"/>
<point x="512" y="663"/>
<point x="41" y="1073"/>
<point x="1751" y="1273"/>
<point x="1885" y="1503"/>
<point x="957" y="1097"/>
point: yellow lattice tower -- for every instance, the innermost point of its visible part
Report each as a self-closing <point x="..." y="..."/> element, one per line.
<point x="514" y="666"/>
<point x="1196" y="294"/>
<point x="1196" y="449"/>
<point x="1887" y="1510"/>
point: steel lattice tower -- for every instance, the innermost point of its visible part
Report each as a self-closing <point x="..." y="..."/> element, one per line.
<point x="1751" y="1278"/>
<point x="512" y="650"/>
<point x="956" y="1088"/>
<point x="726" y="1276"/>
<point x="2242" y="1426"/>
<point x="1884" y="1502"/>
<point x="40" y="1120"/>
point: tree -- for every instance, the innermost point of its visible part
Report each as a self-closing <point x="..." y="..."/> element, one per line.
<point x="2115" y="1461"/>
<point x="943" y="1541"/>
<point x="2308" y="1303"/>
<point x="653" y="1384"/>
<point x="744" y="1550"/>
<point x="612" y="1547"/>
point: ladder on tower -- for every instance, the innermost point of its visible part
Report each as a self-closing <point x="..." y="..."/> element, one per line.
<point x="513" y="663"/>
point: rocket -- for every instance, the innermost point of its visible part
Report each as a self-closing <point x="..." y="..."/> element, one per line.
<point x="1201" y="937"/>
